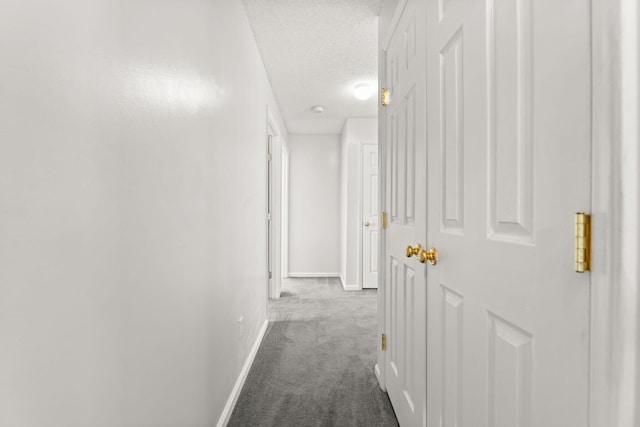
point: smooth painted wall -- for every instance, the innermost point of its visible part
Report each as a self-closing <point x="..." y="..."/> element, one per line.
<point x="132" y="175"/>
<point x="356" y="131"/>
<point x="314" y="205"/>
<point x="385" y="16"/>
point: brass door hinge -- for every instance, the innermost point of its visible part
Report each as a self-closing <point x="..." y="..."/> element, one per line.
<point x="583" y="242"/>
<point x="384" y="219"/>
<point x="385" y="98"/>
<point x="384" y="341"/>
<point x="269" y="157"/>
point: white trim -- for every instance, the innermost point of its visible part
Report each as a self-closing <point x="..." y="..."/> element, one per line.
<point x="352" y="287"/>
<point x="242" y="377"/>
<point x="394" y="23"/>
<point x="275" y="284"/>
<point x="342" y="280"/>
<point x="359" y="233"/>
<point x="304" y="275"/>
<point x="284" y="241"/>
<point x="615" y="302"/>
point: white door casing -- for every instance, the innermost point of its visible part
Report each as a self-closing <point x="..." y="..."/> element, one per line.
<point x="274" y="213"/>
<point x="615" y="300"/>
<point x="508" y="109"/>
<point x="405" y="284"/>
<point x="270" y="231"/>
<point x="370" y="213"/>
<point x="284" y="214"/>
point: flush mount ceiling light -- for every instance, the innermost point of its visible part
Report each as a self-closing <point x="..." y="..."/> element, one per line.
<point x="317" y="109"/>
<point x="363" y="91"/>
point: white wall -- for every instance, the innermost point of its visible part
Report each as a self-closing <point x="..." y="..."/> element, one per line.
<point x="387" y="10"/>
<point x="314" y="205"/>
<point x="132" y="201"/>
<point x="356" y="131"/>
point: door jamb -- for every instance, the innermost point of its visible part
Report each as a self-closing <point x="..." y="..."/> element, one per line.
<point x="284" y="240"/>
<point x="274" y="284"/>
<point x="615" y="298"/>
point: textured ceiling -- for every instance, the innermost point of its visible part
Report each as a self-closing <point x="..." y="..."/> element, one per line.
<point x="315" y="52"/>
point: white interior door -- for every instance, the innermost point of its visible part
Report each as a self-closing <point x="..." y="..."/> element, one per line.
<point x="370" y="212"/>
<point x="508" y="108"/>
<point x="405" y="281"/>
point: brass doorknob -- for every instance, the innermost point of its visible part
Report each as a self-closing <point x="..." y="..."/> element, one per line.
<point x="367" y="223"/>
<point x="431" y="255"/>
<point x="411" y="251"/>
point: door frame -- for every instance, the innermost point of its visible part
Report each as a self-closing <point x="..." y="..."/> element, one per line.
<point x="614" y="384"/>
<point x="284" y="211"/>
<point x="615" y="303"/>
<point x="274" y="285"/>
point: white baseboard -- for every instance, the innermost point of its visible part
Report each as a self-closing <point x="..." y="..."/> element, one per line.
<point x="342" y="280"/>
<point x="314" y="274"/>
<point x="237" y="388"/>
<point x="353" y="287"/>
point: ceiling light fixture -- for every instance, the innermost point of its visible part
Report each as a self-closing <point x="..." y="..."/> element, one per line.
<point x="317" y="109"/>
<point x="363" y="91"/>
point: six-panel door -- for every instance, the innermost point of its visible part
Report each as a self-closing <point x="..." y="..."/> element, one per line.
<point x="508" y="114"/>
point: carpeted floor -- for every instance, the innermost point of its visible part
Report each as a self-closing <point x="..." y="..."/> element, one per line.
<point x="315" y="364"/>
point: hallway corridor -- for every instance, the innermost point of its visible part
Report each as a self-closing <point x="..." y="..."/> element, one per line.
<point x="315" y="365"/>
<point x="165" y="164"/>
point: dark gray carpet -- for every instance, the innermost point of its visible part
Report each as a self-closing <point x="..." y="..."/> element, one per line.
<point x="315" y="366"/>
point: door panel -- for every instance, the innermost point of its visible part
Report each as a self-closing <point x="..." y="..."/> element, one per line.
<point x="405" y="283"/>
<point x="509" y="92"/>
<point x="508" y="109"/>
<point x="452" y="152"/>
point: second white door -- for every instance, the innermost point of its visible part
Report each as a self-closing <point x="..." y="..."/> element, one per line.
<point x="370" y="213"/>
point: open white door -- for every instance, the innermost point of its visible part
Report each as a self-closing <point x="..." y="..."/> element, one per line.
<point x="405" y="283"/>
<point x="370" y="214"/>
<point x="509" y="164"/>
